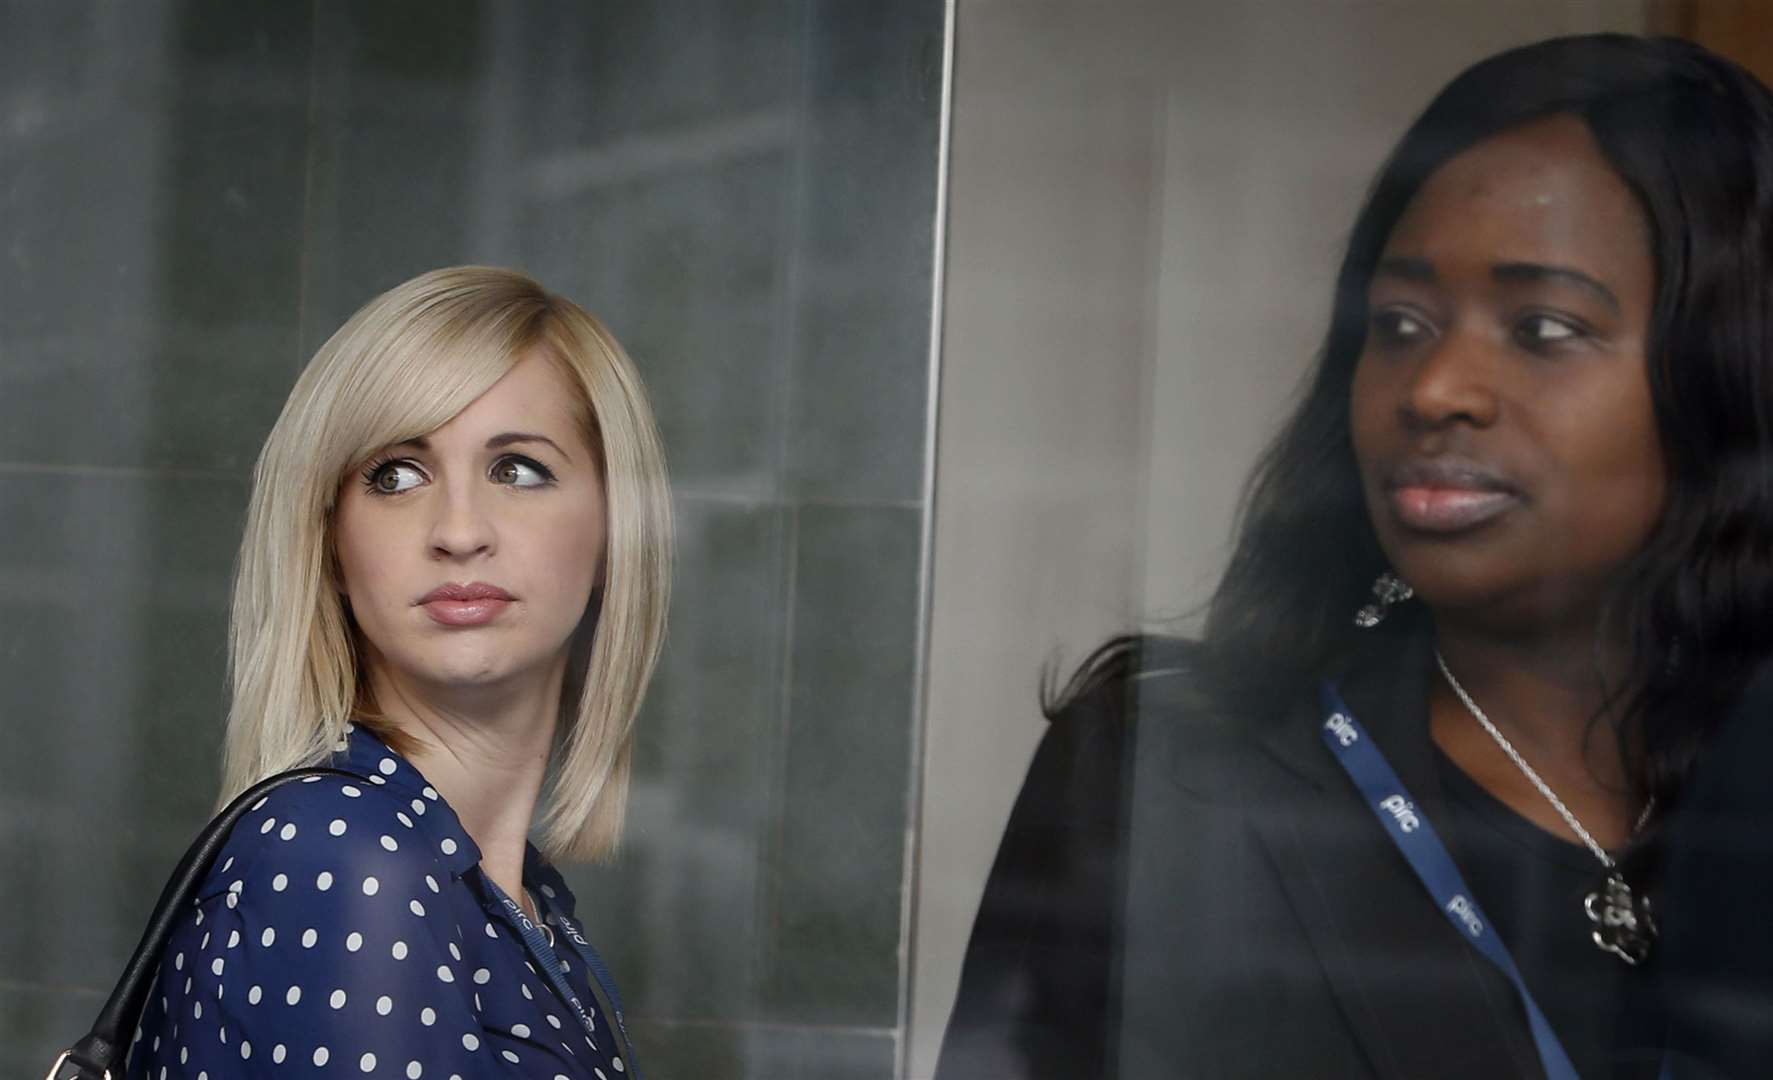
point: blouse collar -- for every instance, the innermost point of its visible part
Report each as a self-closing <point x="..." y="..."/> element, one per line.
<point x="361" y="752"/>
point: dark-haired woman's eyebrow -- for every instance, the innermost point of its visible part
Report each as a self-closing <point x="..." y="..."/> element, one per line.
<point x="1419" y="271"/>
<point x="513" y="438"/>
<point x="1534" y="273"/>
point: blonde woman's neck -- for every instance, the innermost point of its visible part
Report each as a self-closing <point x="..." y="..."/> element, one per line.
<point x="486" y="752"/>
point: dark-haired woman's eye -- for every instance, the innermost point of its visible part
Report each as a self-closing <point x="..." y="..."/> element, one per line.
<point x="519" y="471"/>
<point x="1393" y="326"/>
<point x="391" y="477"/>
<point x="1539" y="331"/>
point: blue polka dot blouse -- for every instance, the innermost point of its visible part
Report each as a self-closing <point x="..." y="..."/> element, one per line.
<point x="347" y="930"/>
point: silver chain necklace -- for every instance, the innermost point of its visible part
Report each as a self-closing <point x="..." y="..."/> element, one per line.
<point x="1623" y="922"/>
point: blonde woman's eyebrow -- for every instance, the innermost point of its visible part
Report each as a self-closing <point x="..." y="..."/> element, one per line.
<point x="497" y="442"/>
<point x="512" y="438"/>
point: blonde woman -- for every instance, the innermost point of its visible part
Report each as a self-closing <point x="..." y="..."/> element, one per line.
<point x="453" y="584"/>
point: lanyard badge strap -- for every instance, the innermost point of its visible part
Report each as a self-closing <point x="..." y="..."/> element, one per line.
<point x="598" y="976"/>
<point x="1408" y="827"/>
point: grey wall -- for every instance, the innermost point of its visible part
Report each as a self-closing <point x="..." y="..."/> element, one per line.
<point x="192" y="195"/>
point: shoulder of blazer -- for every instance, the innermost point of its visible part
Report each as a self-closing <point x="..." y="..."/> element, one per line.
<point x="1186" y="736"/>
<point x="1149" y="691"/>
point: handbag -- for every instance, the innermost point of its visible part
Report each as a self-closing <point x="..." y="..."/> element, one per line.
<point x="99" y="1055"/>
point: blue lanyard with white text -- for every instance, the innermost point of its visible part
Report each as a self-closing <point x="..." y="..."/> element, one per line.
<point x="1408" y="827"/>
<point x="556" y="976"/>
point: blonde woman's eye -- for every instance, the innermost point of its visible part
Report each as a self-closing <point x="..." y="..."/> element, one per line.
<point x="391" y="477"/>
<point x="519" y="471"/>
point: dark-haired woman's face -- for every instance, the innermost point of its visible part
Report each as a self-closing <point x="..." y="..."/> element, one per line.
<point x="1501" y="405"/>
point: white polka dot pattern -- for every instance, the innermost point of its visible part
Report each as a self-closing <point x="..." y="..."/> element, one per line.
<point x="343" y="933"/>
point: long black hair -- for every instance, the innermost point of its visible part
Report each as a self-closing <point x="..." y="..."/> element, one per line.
<point x="1692" y="135"/>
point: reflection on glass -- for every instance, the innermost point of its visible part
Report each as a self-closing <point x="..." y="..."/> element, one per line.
<point x="1446" y="784"/>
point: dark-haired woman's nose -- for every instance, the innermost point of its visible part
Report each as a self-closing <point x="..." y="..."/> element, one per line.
<point x="1453" y="382"/>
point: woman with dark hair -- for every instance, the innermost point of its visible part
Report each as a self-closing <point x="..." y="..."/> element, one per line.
<point x="1498" y="585"/>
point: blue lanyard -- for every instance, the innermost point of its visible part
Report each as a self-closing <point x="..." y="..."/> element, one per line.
<point x="600" y="979"/>
<point x="1408" y="827"/>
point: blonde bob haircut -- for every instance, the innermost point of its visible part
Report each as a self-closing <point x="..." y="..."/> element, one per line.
<point x="402" y="367"/>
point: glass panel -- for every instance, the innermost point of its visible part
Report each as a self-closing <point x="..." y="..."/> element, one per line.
<point x="197" y="194"/>
<point x="1148" y="213"/>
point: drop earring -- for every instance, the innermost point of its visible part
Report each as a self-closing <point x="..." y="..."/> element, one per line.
<point x="1388" y="589"/>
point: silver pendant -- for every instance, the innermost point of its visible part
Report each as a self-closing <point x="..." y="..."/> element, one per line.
<point x="1388" y="589"/>
<point x="1622" y="921"/>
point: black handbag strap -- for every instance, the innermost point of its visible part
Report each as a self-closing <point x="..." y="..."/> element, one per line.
<point x="99" y="1055"/>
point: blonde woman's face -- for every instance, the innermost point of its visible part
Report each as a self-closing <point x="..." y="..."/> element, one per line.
<point x="468" y="556"/>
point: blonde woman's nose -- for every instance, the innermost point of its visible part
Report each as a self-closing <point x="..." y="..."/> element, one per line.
<point x="462" y="524"/>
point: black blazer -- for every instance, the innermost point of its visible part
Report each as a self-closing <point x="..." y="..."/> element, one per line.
<point x="1716" y="963"/>
<point x="1222" y="903"/>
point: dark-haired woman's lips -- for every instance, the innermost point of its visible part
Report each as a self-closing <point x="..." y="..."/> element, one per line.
<point x="1448" y="509"/>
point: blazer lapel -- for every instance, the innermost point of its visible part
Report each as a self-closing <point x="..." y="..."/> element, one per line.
<point x="1420" y="999"/>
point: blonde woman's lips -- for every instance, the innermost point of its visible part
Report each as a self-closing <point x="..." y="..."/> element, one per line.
<point x="473" y="604"/>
